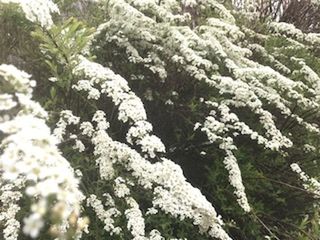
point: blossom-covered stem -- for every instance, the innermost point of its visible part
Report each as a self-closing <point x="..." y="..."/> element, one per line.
<point x="29" y="152"/>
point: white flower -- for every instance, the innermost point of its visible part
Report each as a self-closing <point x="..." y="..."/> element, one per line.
<point x="152" y="145"/>
<point x="79" y="145"/>
<point x="37" y="10"/>
<point x="106" y="216"/>
<point x="120" y="188"/>
<point x="6" y="102"/>
<point x="30" y="153"/>
<point x="135" y="223"/>
<point x="53" y="79"/>
<point x="33" y="224"/>
<point x="87" y="129"/>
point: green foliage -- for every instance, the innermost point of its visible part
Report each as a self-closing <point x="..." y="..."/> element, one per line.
<point x="60" y="46"/>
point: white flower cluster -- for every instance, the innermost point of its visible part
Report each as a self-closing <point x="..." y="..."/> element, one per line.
<point x="309" y="183"/>
<point x="198" y="52"/>
<point x="85" y="85"/>
<point x="135" y="219"/>
<point x="101" y="150"/>
<point x="6" y="101"/>
<point x="9" y="197"/>
<point x="106" y="216"/>
<point x="216" y="132"/>
<point x="138" y="131"/>
<point x="172" y="193"/>
<point x="310" y="76"/>
<point x="289" y="30"/>
<point x="66" y="118"/>
<point x="38" y="11"/>
<point x="120" y="188"/>
<point x="286" y="28"/>
<point x="158" y="35"/>
<point x="30" y="156"/>
<point x="151" y="145"/>
<point x="78" y="143"/>
<point x="131" y="108"/>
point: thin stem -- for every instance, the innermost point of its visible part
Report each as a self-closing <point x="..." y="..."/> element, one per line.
<point x="264" y="225"/>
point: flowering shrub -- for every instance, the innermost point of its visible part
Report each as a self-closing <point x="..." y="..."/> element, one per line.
<point x="31" y="163"/>
<point x="146" y="100"/>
